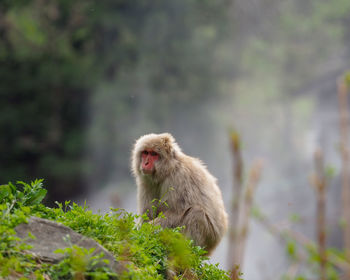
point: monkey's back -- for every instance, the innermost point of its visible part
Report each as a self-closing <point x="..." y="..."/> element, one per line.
<point x="197" y="190"/>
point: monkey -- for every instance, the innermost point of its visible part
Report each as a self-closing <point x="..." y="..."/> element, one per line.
<point x="190" y="193"/>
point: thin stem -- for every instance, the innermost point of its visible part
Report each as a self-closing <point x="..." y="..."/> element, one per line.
<point x="253" y="181"/>
<point x="319" y="184"/>
<point x="236" y="204"/>
<point x="344" y="150"/>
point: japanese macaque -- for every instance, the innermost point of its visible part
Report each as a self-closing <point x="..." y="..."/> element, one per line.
<point x="191" y="195"/>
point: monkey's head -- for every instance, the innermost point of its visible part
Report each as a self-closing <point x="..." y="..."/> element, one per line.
<point x="154" y="154"/>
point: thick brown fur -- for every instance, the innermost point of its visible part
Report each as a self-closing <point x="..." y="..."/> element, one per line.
<point x="192" y="196"/>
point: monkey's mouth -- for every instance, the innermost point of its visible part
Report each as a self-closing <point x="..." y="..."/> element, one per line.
<point x="147" y="171"/>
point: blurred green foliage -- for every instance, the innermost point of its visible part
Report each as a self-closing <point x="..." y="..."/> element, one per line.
<point x="79" y="80"/>
<point x="55" y="53"/>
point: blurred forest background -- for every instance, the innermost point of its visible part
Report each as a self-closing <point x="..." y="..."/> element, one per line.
<point x="81" y="80"/>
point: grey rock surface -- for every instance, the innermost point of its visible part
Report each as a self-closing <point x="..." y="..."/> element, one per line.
<point x="51" y="236"/>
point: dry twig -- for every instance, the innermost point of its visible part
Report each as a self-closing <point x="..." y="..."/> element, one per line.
<point x="241" y="205"/>
<point x="318" y="181"/>
<point x="344" y="150"/>
<point x="235" y="210"/>
<point x="253" y="180"/>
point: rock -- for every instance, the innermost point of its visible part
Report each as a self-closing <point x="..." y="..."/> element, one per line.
<point x="51" y="236"/>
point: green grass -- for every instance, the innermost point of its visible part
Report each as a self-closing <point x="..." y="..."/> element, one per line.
<point x="148" y="251"/>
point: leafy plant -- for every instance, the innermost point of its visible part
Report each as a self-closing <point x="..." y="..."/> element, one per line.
<point x="147" y="251"/>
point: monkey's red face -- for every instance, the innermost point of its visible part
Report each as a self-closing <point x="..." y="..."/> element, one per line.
<point x="148" y="159"/>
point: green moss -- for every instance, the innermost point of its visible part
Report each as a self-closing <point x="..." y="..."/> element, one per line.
<point x="148" y="251"/>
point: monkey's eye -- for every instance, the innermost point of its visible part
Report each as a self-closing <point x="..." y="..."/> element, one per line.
<point x="153" y="153"/>
<point x="145" y="153"/>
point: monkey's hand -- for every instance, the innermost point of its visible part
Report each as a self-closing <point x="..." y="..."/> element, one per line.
<point x="160" y="221"/>
<point x="167" y="219"/>
<point x="157" y="221"/>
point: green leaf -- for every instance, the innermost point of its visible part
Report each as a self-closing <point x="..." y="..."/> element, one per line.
<point x="295" y="218"/>
<point x="291" y="249"/>
<point x="330" y="171"/>
<point x="30" y="235"/>
<point x="5" y="191"/>
<point x="347" y="78"/>
<point x="36" y="197"/>
<point x="12" y="187"/>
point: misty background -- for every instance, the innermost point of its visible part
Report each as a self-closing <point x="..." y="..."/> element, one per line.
<point x="81" y="80"/>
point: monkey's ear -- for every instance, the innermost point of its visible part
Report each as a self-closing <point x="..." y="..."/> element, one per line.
<point x="167" y="144"/>
<point x="174" y="154"/>
<point x="166" y="140"/>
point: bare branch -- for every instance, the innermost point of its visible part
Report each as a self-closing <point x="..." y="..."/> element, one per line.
<point x="236" y="203"/>
<point x="344" y="150"/>
<point x="319" y="184"/>
<point x="253" y="181"/>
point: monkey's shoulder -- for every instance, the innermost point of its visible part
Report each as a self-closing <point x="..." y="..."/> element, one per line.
<point x="196" y="167"/>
